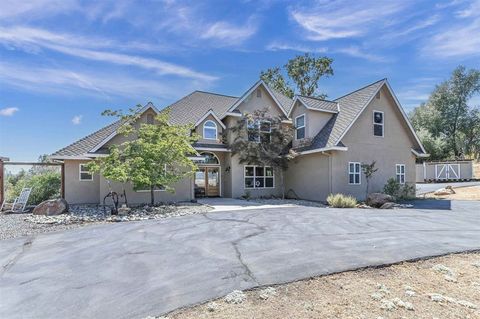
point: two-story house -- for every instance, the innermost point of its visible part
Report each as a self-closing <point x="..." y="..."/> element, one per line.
<point x="333" y="138"/>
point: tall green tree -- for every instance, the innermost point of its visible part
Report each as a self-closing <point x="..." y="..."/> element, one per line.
<point x="153" y="155"/>
<point x="449" y="114"/>
<point x="262" y="139"/>
<point x="305" y="71"/>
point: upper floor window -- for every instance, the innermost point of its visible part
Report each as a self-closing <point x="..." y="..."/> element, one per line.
<point x="259" y="130"/>
<point x="210" y="130"/>
<point x="84" y="173"/>
<point x="300" y="127"/>
<point x="150" y="118"/>
<point x="378" y="123"/>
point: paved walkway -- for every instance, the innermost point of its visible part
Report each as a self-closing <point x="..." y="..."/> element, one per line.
<point x="131" y="270"/>
<point x="431" y="187"/>
<point x="221" y="204"/>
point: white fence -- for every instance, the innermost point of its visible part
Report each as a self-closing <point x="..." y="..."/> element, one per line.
<point x="444" y="171"/>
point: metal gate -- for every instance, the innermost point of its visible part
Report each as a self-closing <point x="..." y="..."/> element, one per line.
<point x="447" y="171"/>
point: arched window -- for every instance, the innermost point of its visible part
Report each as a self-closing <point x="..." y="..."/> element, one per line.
<point x="210" y="158"/>
<point x="210" y="130"/>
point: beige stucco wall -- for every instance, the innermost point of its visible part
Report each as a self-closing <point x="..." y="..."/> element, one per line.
<point x="77" y="191"/>
<point x="394" y="148"/>
<point x="308" y="176"/>
<point x="199" y="131"/>
<point x="314" y="121"/>
<point x="253" y="103"/>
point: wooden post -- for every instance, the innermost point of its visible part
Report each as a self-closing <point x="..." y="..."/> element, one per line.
<point x="63" y="180"/>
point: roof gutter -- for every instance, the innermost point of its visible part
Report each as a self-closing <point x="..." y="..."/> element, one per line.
<point x="417" y="154"/>
<point x="325" y="149"/>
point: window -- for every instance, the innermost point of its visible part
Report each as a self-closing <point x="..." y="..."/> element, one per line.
<point x="210" y="130"/>
<point x="378" y="123"/>
<point x="400" y="173"/>
<point x="210" y="158"/>
<point x="150" y="118"/>
<point x="300" y="127"/>
<point x="259" y="131"/>
<point x="354" y="173"/>
<point x="84" y="173"/>
<point x="259" y="177"/>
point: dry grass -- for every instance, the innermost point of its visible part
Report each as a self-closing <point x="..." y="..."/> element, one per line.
<point x="370" y="293"/>
<point x="462" y="193"/>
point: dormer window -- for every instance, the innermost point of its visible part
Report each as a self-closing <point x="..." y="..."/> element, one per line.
<point x="210" y="130"/>
<point x="300" y="127"/>
<point x="378" y="123"/>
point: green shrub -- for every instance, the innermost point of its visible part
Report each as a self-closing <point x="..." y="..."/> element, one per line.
<point x="398" y="191"/>
<point x="392" y="187"/>
<point x="45" y="185"/>
<point x="341" y="201"/>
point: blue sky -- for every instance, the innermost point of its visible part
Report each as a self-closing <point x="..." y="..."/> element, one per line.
<point x="62" y="62"/>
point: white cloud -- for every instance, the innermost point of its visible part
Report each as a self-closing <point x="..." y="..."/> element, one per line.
<point x="228" y="33"/>
<point x="344" y="19"/>
<point x="77" y="119"/>
<point x="26" y="38"/>
<point x="8" y="111"/>
<point x="34" y="9"/>
<point x="61" y="81"/>
<point x="281" y="46"/>
<point x="357" y="52"/>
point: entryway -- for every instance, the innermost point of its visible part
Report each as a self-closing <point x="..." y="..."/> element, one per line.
<point x="207" y="182"/>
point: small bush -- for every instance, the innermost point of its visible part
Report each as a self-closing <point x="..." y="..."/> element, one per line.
<point x="341" y="201"/>
<point x="398" y="191"/>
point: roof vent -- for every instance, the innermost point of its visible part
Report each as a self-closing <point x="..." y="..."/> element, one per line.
<point x="259" y="92"/>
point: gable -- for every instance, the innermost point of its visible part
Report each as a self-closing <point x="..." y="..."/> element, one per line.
<point x="396" y="130"/>
<point x="259" y="97"/>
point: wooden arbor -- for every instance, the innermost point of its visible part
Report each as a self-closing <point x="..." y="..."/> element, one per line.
<point x="6" y="161"/>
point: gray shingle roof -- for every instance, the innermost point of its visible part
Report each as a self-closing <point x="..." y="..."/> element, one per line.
<point x="192" y="107"/>
<point x="319" y="104"/>
<point x="350" y="106"/>
<point x="284" y="100"/>
<point x="84" y="145"/>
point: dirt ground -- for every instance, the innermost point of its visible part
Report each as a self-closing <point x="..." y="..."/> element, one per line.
<point x="443" y="287"/>
<point x="462" y="193"/>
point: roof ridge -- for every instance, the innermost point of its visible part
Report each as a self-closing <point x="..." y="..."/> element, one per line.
<point x="213" y="93"/>
<point x="316" y="98"/>
<point x="363" y="87"/>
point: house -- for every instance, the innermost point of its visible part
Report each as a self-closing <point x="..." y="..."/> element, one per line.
<point x="332" y="137"/>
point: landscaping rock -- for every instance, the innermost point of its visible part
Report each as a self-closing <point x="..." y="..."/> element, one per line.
<point x="388" y="205"/>
<point x="378" y="199"/>
<point x="448" y="190"/>
<point x="51" y="207"/>
<point x="235" y="297"/>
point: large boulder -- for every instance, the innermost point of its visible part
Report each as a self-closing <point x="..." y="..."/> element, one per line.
<point x="444" y="191"/>
<point x="378" y="199"/>
<point x="51" y="207"/>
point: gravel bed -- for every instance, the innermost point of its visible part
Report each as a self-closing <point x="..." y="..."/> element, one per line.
<point x="17" y="225"/>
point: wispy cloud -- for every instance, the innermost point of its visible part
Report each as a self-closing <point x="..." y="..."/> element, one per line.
<point x="77" y="119"/>
<point x="344" y="19"/>
<point x="64" y="82"/>
<point x="228" y="33"/>
<point x="281" y="46"/>
<point x="34" y="9"/>
<point x="28" y="38"/>
<point x="8" y="111"/>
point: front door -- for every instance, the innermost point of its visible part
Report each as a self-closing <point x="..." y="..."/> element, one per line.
<point x="207" y="182"/>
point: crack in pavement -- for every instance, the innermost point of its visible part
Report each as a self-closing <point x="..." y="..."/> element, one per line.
<point x="235" y="243"/>
<point x="25" y="247"/>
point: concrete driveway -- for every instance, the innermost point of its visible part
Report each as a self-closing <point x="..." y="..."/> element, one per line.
<point x="131" y="270"/>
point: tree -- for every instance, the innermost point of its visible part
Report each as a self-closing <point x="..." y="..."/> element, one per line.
<point x="305" y="71"/>
<point x="153" y="155"/>
<point x="262" y="139"/>
<point x="368" y="170"/>
<point x="447" y="114"/>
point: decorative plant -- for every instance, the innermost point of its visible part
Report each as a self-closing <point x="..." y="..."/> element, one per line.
<point x="368" y="170"/>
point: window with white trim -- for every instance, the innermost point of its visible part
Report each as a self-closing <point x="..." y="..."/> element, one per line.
<point x="259" y="130"/>
<point x="210" y="130"/>
<point x="378" y="123"/>
<point x="354" y="173"/>
<point x="300" y="127"/>
<point x="259" y="177"/>
<point x="400" y="173"/>
<point x="84" y="173"/>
